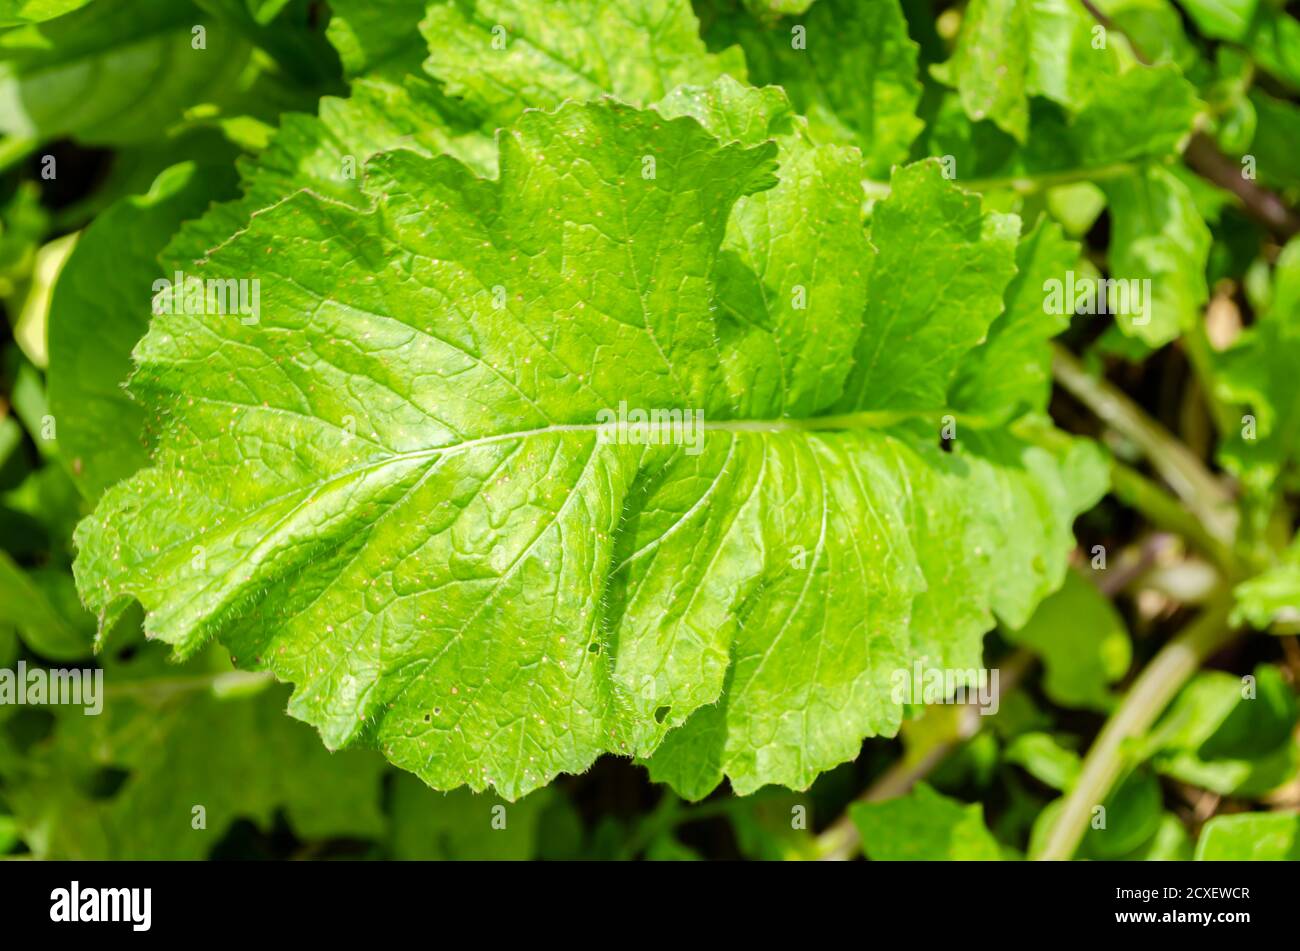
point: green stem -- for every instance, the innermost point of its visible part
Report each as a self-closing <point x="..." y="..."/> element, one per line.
<point x="1186" y="475"/>
<point x="1164" y="511"/>
<point x="668" y="814"/>
<point x="1027" y="184"/>
<point x="222" y="683"/>
<point x="1035" y="182"/>
<point x="1201" y="357"/>
<point x="1162" y="678"/>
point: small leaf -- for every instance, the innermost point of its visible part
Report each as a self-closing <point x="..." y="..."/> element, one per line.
<point x="1253" y="836"/>
<point x="1083" y="642"/>
<point x="926" y="826"/>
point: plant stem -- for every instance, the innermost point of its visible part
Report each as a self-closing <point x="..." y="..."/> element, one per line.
<point x="668" y="814"/>
<point x="1185" y="474"/>
<point x="1162" y="678"/>
<point x="1162" y="510"/>
<point x="1196" y="344"/>
<point x="1028" y="183"/>
<point x="1204" y="158"/>
<point x="220" y="683"/>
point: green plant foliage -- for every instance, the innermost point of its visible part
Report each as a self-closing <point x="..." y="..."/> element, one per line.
<point x="1267" y="837"/>
<point x="1082" y="641"/>
<point x="649" y="429"/>
<point x="924" y="825"/>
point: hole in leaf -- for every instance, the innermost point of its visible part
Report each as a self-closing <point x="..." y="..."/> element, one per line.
<point x="662" y="714"/>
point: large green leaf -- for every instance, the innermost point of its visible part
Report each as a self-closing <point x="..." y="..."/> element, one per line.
<point x="394" y="488"/>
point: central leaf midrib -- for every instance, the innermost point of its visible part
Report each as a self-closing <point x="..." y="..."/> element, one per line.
<point x="866" y="419"/>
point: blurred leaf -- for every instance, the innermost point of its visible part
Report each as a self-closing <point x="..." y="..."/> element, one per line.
<point x="460" y="825"/>
<point x="1083" y="642"/>
<point x="1076" y="206"/>
<point x="1134" y="813"/>
<point x="51" y="502"/>
<point x="9" y="645"/>
<point x="1252" y="836"/>
<point x="773" y="826"/>
<point x="989" y="65"/>
<point x="9" y="834"/>
<point x="33" y="313"/>
<point x="1153" y="26"/>
<point x="11" y="437"/>
<point x="775" y="8"/>
<point x="378" y="36"/>
<point x="283" y="28"/>
<point x="1221" y="19"/>
<point x="1277" y="130"/>
<point x="1170" y="843"/>
<point x="1044" y="758"/>
<point x="43" y="606"/>
<point x="1274" y="41"/>
<point x="1258" y="375"/>
<point x="1228" y="734"/>
<point x="1131" y="823"/>
<point x="1158" y="240"/>
<point x="101" y="309"/>
<point x="93" y="74"/>
<point x="1271" y="599"/>
<point x="126" y="784"/>
<point x="18" y="12"/>
<point x="666" y="848"/>
<point x="23" y="224"/>
<point x="924" y="825"/>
